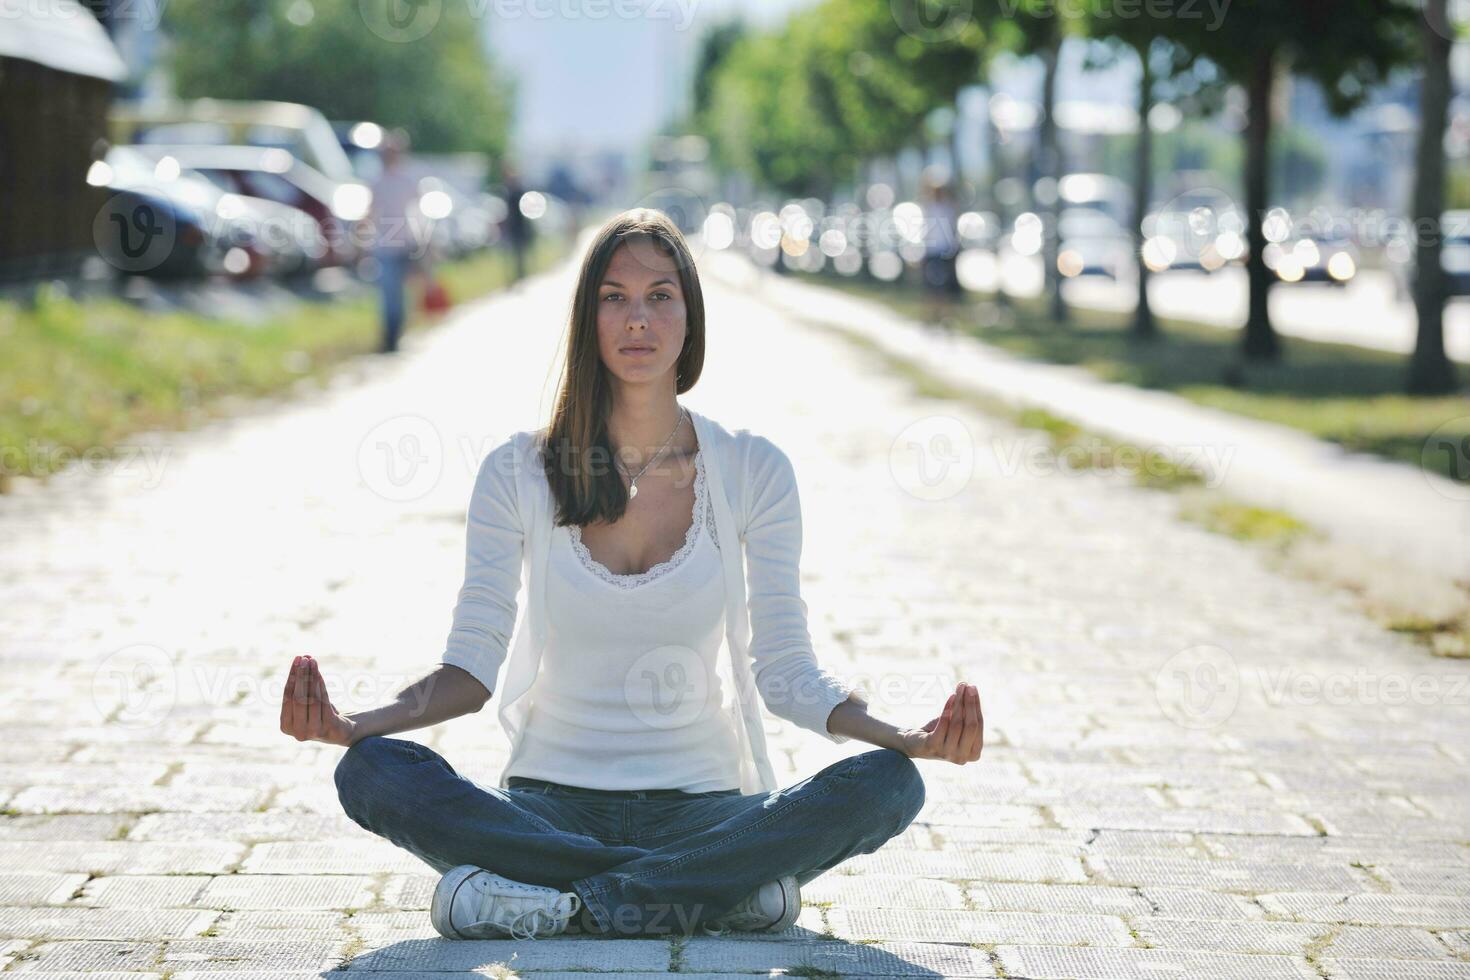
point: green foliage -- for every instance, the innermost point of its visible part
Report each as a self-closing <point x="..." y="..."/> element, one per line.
<point x="798" y="108"/>
<point x="441" y="87"/>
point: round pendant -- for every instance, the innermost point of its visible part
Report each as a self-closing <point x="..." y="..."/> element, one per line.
<point x="633" y="491"/>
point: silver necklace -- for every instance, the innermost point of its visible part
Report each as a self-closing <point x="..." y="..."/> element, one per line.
<point x="633" y="481"/>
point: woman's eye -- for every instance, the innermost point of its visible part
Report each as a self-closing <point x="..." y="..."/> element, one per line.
<point x="663" y="294"/>
<point x="610" y="295"/>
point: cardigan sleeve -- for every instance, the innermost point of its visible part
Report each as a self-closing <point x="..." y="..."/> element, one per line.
<point x="485" y="614"/>
<point x="791" y="682"/>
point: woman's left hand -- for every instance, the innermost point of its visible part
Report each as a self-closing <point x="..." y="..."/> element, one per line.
<point x="957" y="735"/>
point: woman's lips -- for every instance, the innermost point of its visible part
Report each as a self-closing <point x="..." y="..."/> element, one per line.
<point x="637" y="351"/>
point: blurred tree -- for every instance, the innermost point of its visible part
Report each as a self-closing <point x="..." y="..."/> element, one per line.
<point x="1344" y="45"/>
<point x="1430" y="370"/>
<point x="798" y="108"/>
<point x="441" y="87"/>
<point x="1168" y="72"/>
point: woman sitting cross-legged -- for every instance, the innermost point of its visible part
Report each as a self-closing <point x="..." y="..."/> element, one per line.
<point x="660" y="555"/>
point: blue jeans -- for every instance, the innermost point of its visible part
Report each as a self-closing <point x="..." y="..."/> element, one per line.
<point x="393" y="267"/>
<point x="644" y="862"/>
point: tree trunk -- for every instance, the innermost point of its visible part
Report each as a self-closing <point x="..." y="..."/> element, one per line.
<point x="995" y="175"/>
<point x="1051" y="167"/>
<point x="1144" y="325"/>
<point x="1430" y="371"/>
<point x="1260" y="343"/>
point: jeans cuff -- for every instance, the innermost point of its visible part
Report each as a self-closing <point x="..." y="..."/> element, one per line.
<point x="594" y="901"/>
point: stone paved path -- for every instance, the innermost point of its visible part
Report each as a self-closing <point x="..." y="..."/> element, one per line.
<point x="1194" y="768"/>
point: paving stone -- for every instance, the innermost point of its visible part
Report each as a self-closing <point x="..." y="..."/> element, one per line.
<point x="1221" y="875"/>
<point x="1457" y="940"/>
<point x="330" y="857"/>
<point x="1192" y="903"/>
<point x="1037" y="866"/>
<point x="90" y="957"/>
<point x="1057" y="898"/>
<point x="143" y="891"/>
<point x="1429" y="911"/>
<point x="295" y="925"/>
<point x="253" y="956"/>
<point x="1383" y="969"/>
<point x="120" y="857"/>
<point x="38" y="888"/>
<point x="132" y="799"/>
<point x="894" y="959"/>
<point x="1078" y="963"/>
<point x="978" y="927"/>
<point x="83" y="923"/>
<point x="414" y="891"/>
<point x="245" y="827"/>
<point x="1157" y="818"/>
<point x="579" y="953"/>
<point x="1426" y="879"/>
<point x="246" y="891"/>
<point x="1378" y="942"/>
<point x="883" y="891"/>
<point x="63" y="826"/>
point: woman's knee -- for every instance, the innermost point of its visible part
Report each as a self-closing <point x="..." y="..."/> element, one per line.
<point x="366" y="761"/>
<point x="894" y="781"/>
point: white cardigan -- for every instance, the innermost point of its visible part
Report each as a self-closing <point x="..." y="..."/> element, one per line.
<point x="752" y="487"/>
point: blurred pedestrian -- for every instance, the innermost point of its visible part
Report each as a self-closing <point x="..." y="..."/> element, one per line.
<point x="941" y="244"/>
<point x="517" y="225"/>
<point x="395" y="222"/>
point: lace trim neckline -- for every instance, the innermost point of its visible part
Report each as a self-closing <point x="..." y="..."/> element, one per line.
<point x="629" y="580"/>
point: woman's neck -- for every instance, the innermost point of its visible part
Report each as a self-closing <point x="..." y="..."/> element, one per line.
<point x="638" y="431"/>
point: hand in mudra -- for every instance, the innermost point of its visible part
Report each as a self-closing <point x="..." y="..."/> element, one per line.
<point x="957" y="735"/>
<point x="307" y="714"/>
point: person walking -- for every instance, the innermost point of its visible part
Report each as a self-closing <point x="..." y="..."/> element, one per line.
<point x="638" y="797"/>
<point x="396" y="228"/>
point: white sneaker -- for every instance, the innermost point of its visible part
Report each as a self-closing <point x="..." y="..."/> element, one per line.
<point x="772" y="907"/>
<point x="472" y="903"/>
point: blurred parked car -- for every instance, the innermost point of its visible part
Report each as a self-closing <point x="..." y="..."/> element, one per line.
<point x="164" y="225"/>
<point x="272" y="238"/>
<point x="276" y="175"/>
<point x="1093" y="243"/>
<point x="1313" y="258"/>
<point x="1200" y="229"/>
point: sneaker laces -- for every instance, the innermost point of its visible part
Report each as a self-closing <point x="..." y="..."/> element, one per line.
<point x="529" y="921"/>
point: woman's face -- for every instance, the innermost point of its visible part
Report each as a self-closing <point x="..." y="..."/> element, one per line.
<point x="640" y="302"/>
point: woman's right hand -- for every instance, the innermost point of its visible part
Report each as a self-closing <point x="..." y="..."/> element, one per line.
<point x="306" y="711"/>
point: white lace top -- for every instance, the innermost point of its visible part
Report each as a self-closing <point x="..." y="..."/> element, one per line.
<point x="628" y="696"/>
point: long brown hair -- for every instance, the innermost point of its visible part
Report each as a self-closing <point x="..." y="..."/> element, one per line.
<point x="577" y="454"/>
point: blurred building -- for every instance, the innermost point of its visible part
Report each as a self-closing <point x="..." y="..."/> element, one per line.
<point x="60" y="69"/>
